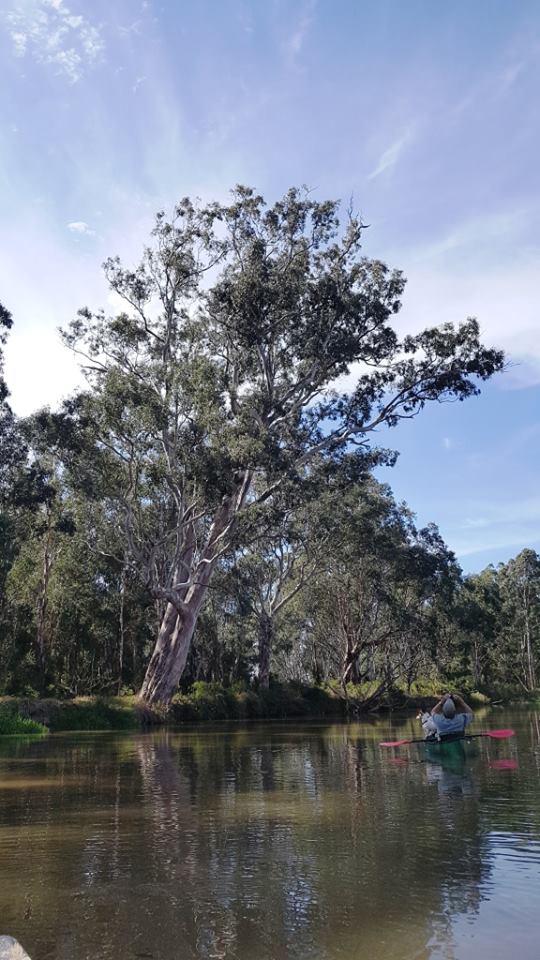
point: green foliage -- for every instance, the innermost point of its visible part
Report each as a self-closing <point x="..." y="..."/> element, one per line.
<point x="210" y="469"/>
<point x="207" y="400"/>
<point x="95" y="714"/>
<point x="12" y="724"/>
<point x="211" y="701"/>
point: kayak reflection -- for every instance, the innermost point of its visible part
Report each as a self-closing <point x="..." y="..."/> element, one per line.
<point x="446" y="766"/>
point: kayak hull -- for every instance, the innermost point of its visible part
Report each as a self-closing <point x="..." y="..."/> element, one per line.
<point x="450" y="749"/>
<point x="446" y="747"/>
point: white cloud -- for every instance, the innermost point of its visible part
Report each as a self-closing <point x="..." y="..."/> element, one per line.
<point x="295" y="40"/>
<point x="137" y="83"/>
<point x="51" y="34"/>
<point x="485" y="267"/>
<point x="391" y="156"/>
<point x="80" y="227"/>
<point x="39" y="369"/>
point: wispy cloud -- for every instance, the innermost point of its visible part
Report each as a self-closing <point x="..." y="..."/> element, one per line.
<point x="495" y="525"/>
<point x="485" y="267"/>
<point x="49" y="33"/>
<point x="391" y="156"/>
<point x="502" y="512"/>
<point x="296" y="38"/>
<point x="510" y="74"/>
<point x="80" y="227"/>
<point x="131" y="28"/>
<point x="137" y="83"/>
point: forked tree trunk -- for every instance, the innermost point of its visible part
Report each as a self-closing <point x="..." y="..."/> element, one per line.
<point x="266" y="639"/>
<point x="351" y="671"/>
<point x="184" y="604"/>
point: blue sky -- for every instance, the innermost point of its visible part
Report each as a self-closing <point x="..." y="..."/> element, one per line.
<point x="427" y="113"/>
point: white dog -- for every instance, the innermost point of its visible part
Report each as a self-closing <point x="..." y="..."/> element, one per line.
<point x="428" y="726"/>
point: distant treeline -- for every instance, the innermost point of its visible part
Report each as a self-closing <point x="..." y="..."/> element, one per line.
<point x="380" y="603"/>
<point x="206" y="509"/>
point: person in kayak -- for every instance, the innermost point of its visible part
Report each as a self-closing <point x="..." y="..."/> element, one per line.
<point x="451" y="716"/>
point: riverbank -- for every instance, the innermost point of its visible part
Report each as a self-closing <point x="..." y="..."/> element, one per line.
<point x="204" y="702"/>
<point x="211" y="702"/>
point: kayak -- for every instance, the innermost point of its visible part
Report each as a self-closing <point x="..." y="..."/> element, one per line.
<point x="492" y="734"/>
<point x="451" y="750"/>
<point x="446" y="748"/>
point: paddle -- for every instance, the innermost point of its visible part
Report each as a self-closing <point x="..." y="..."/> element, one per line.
<point x="494" y="734"/>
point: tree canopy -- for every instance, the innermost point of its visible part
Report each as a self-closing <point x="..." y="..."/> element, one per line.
<point x="214" y="453"/>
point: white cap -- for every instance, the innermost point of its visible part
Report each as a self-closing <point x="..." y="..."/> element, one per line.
<point x="449" y="708"/>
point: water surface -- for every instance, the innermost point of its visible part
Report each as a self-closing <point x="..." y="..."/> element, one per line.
<point x="305" y="842"/>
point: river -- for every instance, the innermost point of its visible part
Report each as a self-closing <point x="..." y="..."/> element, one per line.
<point x="281" y="841"/>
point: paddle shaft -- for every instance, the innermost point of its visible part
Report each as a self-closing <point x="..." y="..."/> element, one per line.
<point x="494" y="734"/>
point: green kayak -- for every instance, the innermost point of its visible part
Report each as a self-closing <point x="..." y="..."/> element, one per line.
<point x="450" y="750"/>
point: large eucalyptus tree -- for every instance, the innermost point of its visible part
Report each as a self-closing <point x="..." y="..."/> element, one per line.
<point x="216" y="382"/>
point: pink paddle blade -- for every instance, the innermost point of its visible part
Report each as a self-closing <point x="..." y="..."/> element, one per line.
<point x="394" y="743"/>
<point x="504" y="765"/>
<point x="499" y="734"/>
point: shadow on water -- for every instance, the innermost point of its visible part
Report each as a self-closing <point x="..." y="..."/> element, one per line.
<point x="276" y="841"/>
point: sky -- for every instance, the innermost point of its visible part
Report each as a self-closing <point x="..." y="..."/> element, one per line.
<point x="426" y="114"/>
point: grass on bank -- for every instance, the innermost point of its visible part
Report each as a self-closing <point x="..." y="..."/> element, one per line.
<point x="208" y="702"/>
<point x="211" y="702"/>
<point x="13" y="725"/>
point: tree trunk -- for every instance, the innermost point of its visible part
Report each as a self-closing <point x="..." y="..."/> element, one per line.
<point x="121" y="630"/>
<point x="531" y="666"/>
<point x="316" y="668"/>
<point x="351" y="672"/>
<point x="43" y="601"/>
<point x="185" y="602"/>
<point x="266" y="637"/>
<point x="169" y="657"/>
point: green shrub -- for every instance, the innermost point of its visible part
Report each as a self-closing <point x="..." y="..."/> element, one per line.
<point x="321" y="702"/>
<point x="282" y="701"/>
<point x="94" y="714"/>
<point x="13" y="725"/>
<point x="246" y="704"/>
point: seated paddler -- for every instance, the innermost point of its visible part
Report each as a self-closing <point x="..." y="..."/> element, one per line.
<point x="450" y="717"/>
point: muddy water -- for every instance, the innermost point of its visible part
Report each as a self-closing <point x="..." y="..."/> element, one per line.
<point x="305" y="842"/>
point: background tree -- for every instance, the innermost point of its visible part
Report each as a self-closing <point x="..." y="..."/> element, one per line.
<point x="372" y="613"/>
<point x="519" y="582"/>
<point x="474" y="651"/>
<point x="11" y="446"/>
<point x="285" y="543"/>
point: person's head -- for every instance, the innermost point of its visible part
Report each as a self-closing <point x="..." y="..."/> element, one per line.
<point x="449" y="708"/>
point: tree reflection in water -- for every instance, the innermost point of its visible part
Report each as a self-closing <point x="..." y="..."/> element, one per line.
<point x="277" y="841"/>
